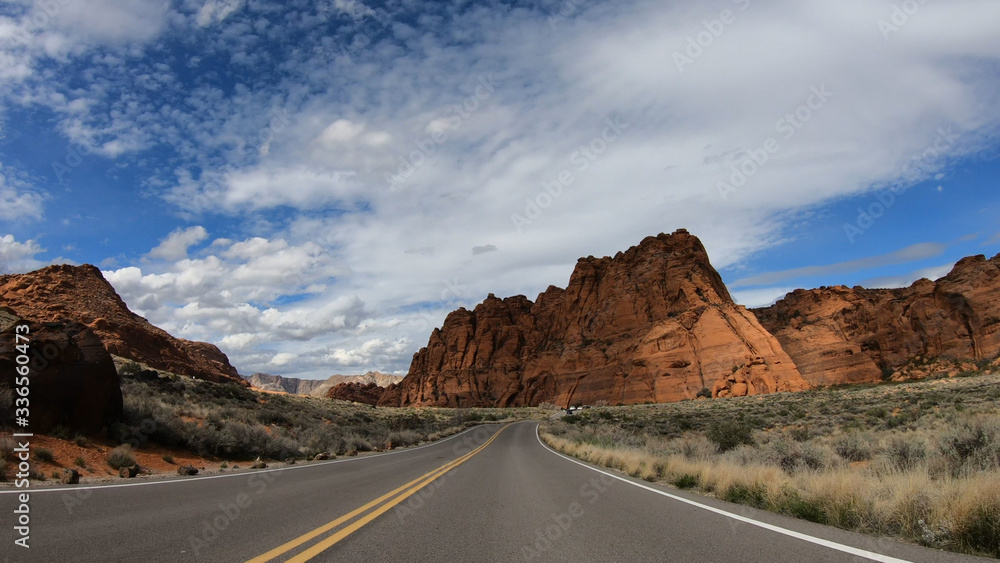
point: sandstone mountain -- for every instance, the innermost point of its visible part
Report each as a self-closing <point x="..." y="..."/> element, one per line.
<point x="851" y="335"/>
<point x="81" y="294"/>
<point x="318" y="387"/>
<point x="652" y="324"/>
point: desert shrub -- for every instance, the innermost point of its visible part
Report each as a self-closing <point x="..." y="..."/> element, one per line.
<point x="129" y="368"/>
<point x="405" y="437"/>
<point x="686" y="481"/>
<point x="121" y="457"/>
<point x="799" y="434"/>
<point x="727" y="435"/>
<point x="45" y="454"/>
<point x="704" y="392"/>
<point x="355" y="442"/>
<point x="906" y="452"/>
<point x="749" y="495"/>
<point x="793" y="504"/>
<point x="789" y="455"/>
<point x="80" y="440"/>
<point x="80" y="462"/>
<point x="572" y="419"/>
<point x="974" y="445"/>
<point x="168" y="458"/>
<point x="853" y="447"/>
<point x="980" y="532"/>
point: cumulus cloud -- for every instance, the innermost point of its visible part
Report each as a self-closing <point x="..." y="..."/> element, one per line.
<point x="379" y="148"/>
<point x="214" y="11"/>
<point x="16" y="257"/>
<point x="175" y="246"/>
<point x="353" y="8"/>
<point x="16" y="202"/>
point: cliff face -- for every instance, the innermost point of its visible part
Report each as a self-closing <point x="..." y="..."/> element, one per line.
<point x="655" y="323"/>
<point x="842" y="335"/>
<point x="80" y="293"/>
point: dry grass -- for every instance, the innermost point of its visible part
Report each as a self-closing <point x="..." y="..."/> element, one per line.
<point x="933" y="478"/>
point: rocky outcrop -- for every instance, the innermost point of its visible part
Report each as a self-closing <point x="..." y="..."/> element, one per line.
<point x="652" y="324"/>
<point x="72" y="378"/>
<point x="317" y="387"/>
<point x="80" y="293"/>
<point x="367" y="393"/>
<point x="840" y="335"/>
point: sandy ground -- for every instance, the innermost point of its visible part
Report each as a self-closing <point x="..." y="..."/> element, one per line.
<point x="67" y="454"/>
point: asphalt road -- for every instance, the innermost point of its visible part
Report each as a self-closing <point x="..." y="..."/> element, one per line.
<point x="491" y="494"/>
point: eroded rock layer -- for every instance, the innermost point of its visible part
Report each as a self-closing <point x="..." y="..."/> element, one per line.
<point x="652" y="324"/>
<point x="840" y="335"/>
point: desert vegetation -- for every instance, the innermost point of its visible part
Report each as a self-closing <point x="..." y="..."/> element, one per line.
<point x="232" y="422"/>
<point x="918" y="460"/>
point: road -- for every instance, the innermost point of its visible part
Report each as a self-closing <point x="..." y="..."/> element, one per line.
<point x="493" y="493"/>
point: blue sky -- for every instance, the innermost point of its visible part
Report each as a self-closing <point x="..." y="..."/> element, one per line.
<point x="313" y="185"/>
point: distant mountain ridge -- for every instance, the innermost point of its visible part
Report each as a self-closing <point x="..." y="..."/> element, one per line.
<point x="317" y="387"/>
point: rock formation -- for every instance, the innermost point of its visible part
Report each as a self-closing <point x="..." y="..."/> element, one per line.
<point x="318" y="387"/>
<point x="72" y="380"/>
<point x="653" y="324"/>
<point x="80" y="293"/>
<point x="367" y="393"/>
<point x="842" y="335"/>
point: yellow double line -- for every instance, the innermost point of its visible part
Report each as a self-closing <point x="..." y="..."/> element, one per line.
<point x="393" y="497"/>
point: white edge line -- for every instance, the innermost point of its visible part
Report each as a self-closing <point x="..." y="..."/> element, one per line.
<point x="242" y="474"/>
<point x="797" y="535"/>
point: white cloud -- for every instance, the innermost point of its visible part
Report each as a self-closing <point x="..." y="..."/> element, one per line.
<point x="214" y="11"/>
<point x="353" y="8"/>
<point x="905" y="280"/>
<point x="761" y="297"/>
<point x="16" y="202"/>
<point x="911" y="253"/>
<point x="175" y="246"/>
<point x="346" y="259"/>
<point x="17" y="257"/>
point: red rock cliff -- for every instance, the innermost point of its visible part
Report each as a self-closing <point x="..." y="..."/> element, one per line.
<point x="653" y="324"/>
<point x="80" y="293"/>
<point x="841" y="335"/>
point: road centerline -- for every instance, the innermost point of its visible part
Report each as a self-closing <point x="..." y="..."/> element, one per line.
<point x="389" y="499"/>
